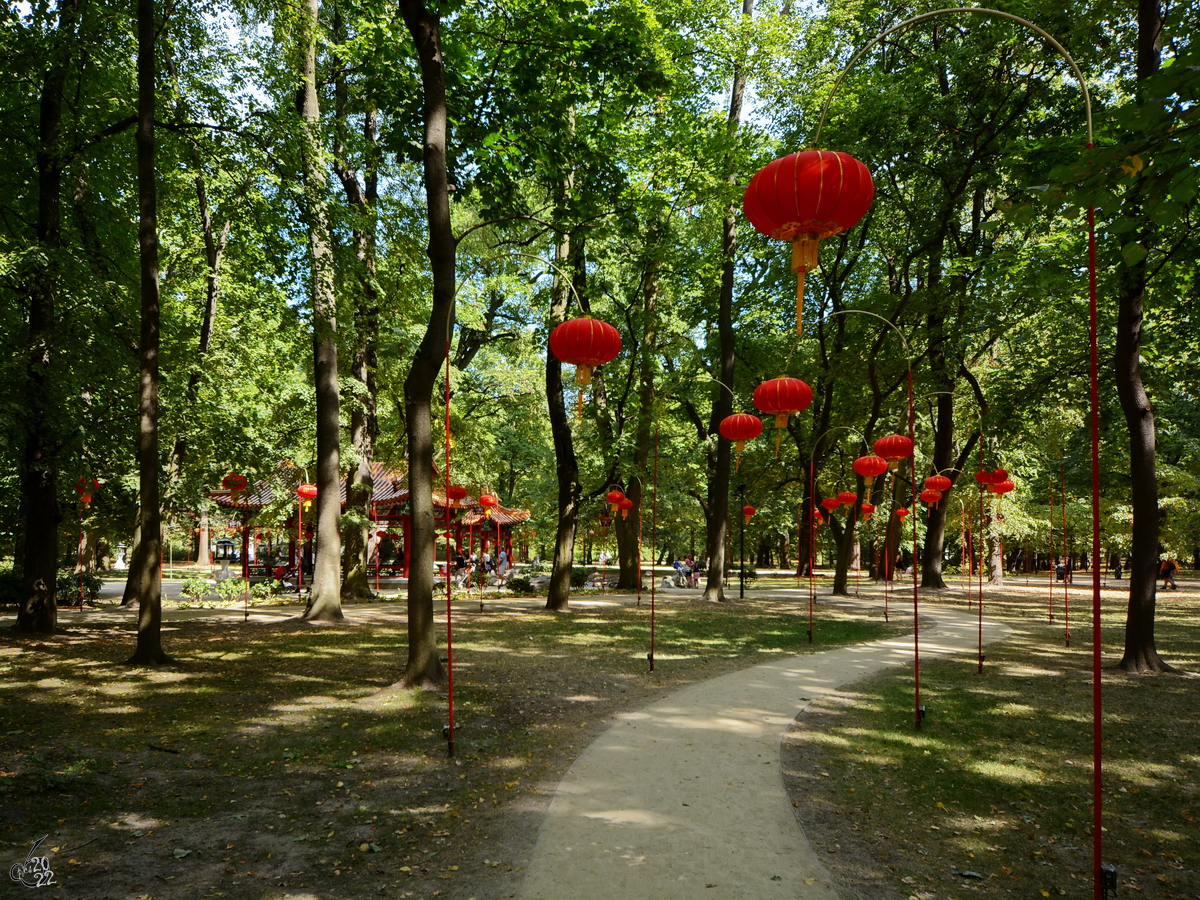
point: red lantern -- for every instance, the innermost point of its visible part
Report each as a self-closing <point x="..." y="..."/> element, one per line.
<point x="456" y="492"/>
<point x="893" y="448"/>
<point x="86" y="498"/>
<point x="831" y="503"/>
<point x="985" y="478"/>
<point x="870" y="468"/>
<point x="847" y="498"/>
<point x="739" y="428"/>
<point x="585" y="343"/>
<point x="781" y="397"/>
<point x="614" y="499"/>
<point x="234" y="483"/>
<point x="625" y="506"/>
<point x="84" y="488"/>
<point x="307" y="491"/>
<point x="818" y="519"/>
<point x="902" y="513"/>
<point x="867" y="509"/>
<point x="488" y="502"/>
<point x="1002" y="487"/>
<point x="804" y="197"/>
<point x="747" y="513"/>
<point x="938" y="483"/>
<point x="931" y="497"/>
<point x="381" y="534"/>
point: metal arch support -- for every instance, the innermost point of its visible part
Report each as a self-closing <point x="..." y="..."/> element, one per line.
<point x="1062" y="51"/>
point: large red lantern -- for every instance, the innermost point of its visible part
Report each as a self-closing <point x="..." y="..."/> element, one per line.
<point x="870" y="468"/>
<point x="585" y="343"/>
<point x="847" y="498"/>
<point x="893" y="448"/>
<point x="625" y="506"/>
<point x="614" y="499"/>
<point x="747" y="513"/>
<point x="307" y="493"/>
<point x="781" y="397"/>
<point x="739" y="428"/>
<point x="902" y="513"/>
<point x="804" y="197"/>
<point x="831" y="503"/>
<point x="456" y="492"/>
<point x="985" y="478"/>
<point x="938" y="483"/>
<point x="1002" y="487"/>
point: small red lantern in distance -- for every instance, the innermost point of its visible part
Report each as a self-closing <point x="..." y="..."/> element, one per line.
<point x="902" y="512"/>
<point x="893" y="448"/>
<point x="780" y="397"/>
<point x="747" y="513"/>
<point x="381" y="534"/>
<point x="625" y="506"/>
<point x="984" y="477"/>
<point x="867" y="509"/>
<point x="870" y="468"/>
<point x="84" y="487"/>
<point x="847" y="498"/>
<point x="739" y="428"/>
<point x="456" y="492"/>
<point x="614" y="499"/>
<point x="804" y="197"/>
<point x="1002" y="487"/>
<point x="585" y="343"/>
<point x="234" y="483"/>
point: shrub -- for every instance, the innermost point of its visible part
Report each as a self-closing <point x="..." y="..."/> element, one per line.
<point x="579" y="576"/>
<point x="10" y="587"/>
<point x="194" y="589"/>
<point x="67" y="588"/>
<point x="231" y="589"/>
<point x="521" y="585"/>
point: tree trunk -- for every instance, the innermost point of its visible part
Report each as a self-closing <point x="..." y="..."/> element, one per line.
<point x="40" y="515"/>
<point x="324" y="602"/>
<point x="844" y="538"/>
<point x="558" y="592"/>
<point x="717" y="511"/>
<point x="1141" y="654"/>
<point x="943" y="462"/>
<point x="146" y="576"/>
<point x="424" y="666"/>
<point x="360" y="487"/>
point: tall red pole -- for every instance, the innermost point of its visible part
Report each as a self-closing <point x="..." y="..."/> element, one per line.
<point x="1097" y="637"/>
<point x="1066" y="562"/>
<point x="1050" y="554"/>
<point x="653" y="542"/>
<point x="918" y="710"/>
<point x="449" y="591"/>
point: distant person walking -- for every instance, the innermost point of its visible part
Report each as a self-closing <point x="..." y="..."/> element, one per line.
<point x="1166" y="571"/>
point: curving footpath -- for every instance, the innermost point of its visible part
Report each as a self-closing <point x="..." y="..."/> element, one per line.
<point x="685" y="798"/>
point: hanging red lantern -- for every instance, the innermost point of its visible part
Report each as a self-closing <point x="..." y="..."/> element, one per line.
<point x="931" y="497"/>
<point x="805" y="197"/>
<point x="381" y="534"/>
<point x="585" y="343"/>
<point x="938" y="483"/>
<point x="870" y="468"/>
<point x="999" y="474"/>
<point x="985" y="478"/>
<point x="234" y="483"/>
<point x="625" y="506"/>
<point x="902" y="513"/>
<point x="84" y="487"/>
<point x="489" y="502"/>
<point x="781" y="397"/>
<point x="747" y="513"/>
<point x="307" y="493"/>
<point x="739" y="428"/>
<point x="867" y="509"/>
<point x="829" y="504"/>
<point x="456" y="492"/>
<point x="614" y="499"/>
<point x="1002" y="487"/>
<point x="893" y="448"/>
<point x="847" y="498"/>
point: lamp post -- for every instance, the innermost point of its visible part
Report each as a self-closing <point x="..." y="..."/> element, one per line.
<point x="741" y="495"/>
<point x="306" y="494"/>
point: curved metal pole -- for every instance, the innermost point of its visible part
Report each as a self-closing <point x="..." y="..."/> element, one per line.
<point x="1062" y="51"/>
<point x="918" y="709"/>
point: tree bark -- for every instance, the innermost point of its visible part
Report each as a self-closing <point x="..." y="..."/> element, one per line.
<point x="146" y="576"/>
<point x="40" y="514"/>
<point x="1141" y="654"/>
<point x="424" y="666"/>
<point x="324" y="602"/>
<point x="716" y="512"/>
<point x="558" y="592"/>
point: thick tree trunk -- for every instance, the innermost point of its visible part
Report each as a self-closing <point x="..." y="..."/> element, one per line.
<point x="324" y="602"/>
<point x="943" y="462"/>
<point x="558" y="592"/>
<point x="1141" y="654"/>
<point x="424" y="666"/>
<point x="40" y="515"/>
<point x="146" y="576"/>
<point x="717" y="510"/>
<point x="844" y="540"/>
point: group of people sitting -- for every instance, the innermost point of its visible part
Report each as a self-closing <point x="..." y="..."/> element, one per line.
<point x="688" y="572"/>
